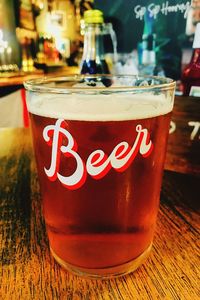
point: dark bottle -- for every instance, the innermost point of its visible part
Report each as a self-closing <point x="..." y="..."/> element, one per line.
<point x="93" y="61"/>
<point x="191" y="73"/>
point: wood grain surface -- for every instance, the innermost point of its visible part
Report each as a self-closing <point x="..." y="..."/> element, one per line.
<point x="28" y="271"/>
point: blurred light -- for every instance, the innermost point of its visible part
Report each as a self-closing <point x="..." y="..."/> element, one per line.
<point x="1" y="34"/>
<point x="9" y="50"/>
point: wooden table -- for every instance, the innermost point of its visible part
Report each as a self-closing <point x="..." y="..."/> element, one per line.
<point x="28" y="271"/>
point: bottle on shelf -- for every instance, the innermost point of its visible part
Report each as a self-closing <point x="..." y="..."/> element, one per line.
<point x="147" y="51"/>
<point x="191" y="74"/>
<point x="93" y="60"/>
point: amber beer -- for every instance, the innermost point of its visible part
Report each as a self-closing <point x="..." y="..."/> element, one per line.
<point x="100" y="177"/>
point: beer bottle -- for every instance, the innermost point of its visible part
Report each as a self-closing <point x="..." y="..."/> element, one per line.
<point x="191" y="73"/>
<point x="93" y="61"/>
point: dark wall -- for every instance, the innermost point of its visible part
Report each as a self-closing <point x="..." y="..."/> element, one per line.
<point x="128" y="28"/>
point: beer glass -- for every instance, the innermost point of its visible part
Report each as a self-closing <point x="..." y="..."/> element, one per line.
<point x="100" y="144"/>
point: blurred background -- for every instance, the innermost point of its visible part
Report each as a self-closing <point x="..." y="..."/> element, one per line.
<point x="47" y="37"/>
<point x="40" y="33"/>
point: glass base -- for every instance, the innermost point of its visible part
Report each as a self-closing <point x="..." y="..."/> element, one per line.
<point x="109" y="272"/>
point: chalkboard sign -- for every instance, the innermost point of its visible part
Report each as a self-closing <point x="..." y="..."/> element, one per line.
<point x="169" y="25"/>
<point x="183" y="152"/>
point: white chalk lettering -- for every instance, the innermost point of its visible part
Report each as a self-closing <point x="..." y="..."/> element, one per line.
<point x="165" y="8"/>
<point x="172" y="127"/>
<point x="153" y="10"/>
<point x="195" y="130"/>
<point x="140" y="12"/>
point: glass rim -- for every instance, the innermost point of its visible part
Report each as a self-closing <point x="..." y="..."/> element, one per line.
<point x="41" y="84"/>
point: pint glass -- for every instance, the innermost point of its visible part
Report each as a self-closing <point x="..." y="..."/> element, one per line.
<point x="100" y="144"/>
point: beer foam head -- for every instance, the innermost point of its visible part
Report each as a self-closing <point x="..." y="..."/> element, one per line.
<point x="100" y="107"/>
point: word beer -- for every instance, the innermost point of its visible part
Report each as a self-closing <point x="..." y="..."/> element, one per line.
<point x="98" y="163"/>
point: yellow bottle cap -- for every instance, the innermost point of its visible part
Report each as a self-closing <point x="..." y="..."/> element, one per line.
<point x="94" y="16"/>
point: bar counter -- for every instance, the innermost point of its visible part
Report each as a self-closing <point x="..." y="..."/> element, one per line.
<point x="18" y="79"/>
<point x="28" y="270"/>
